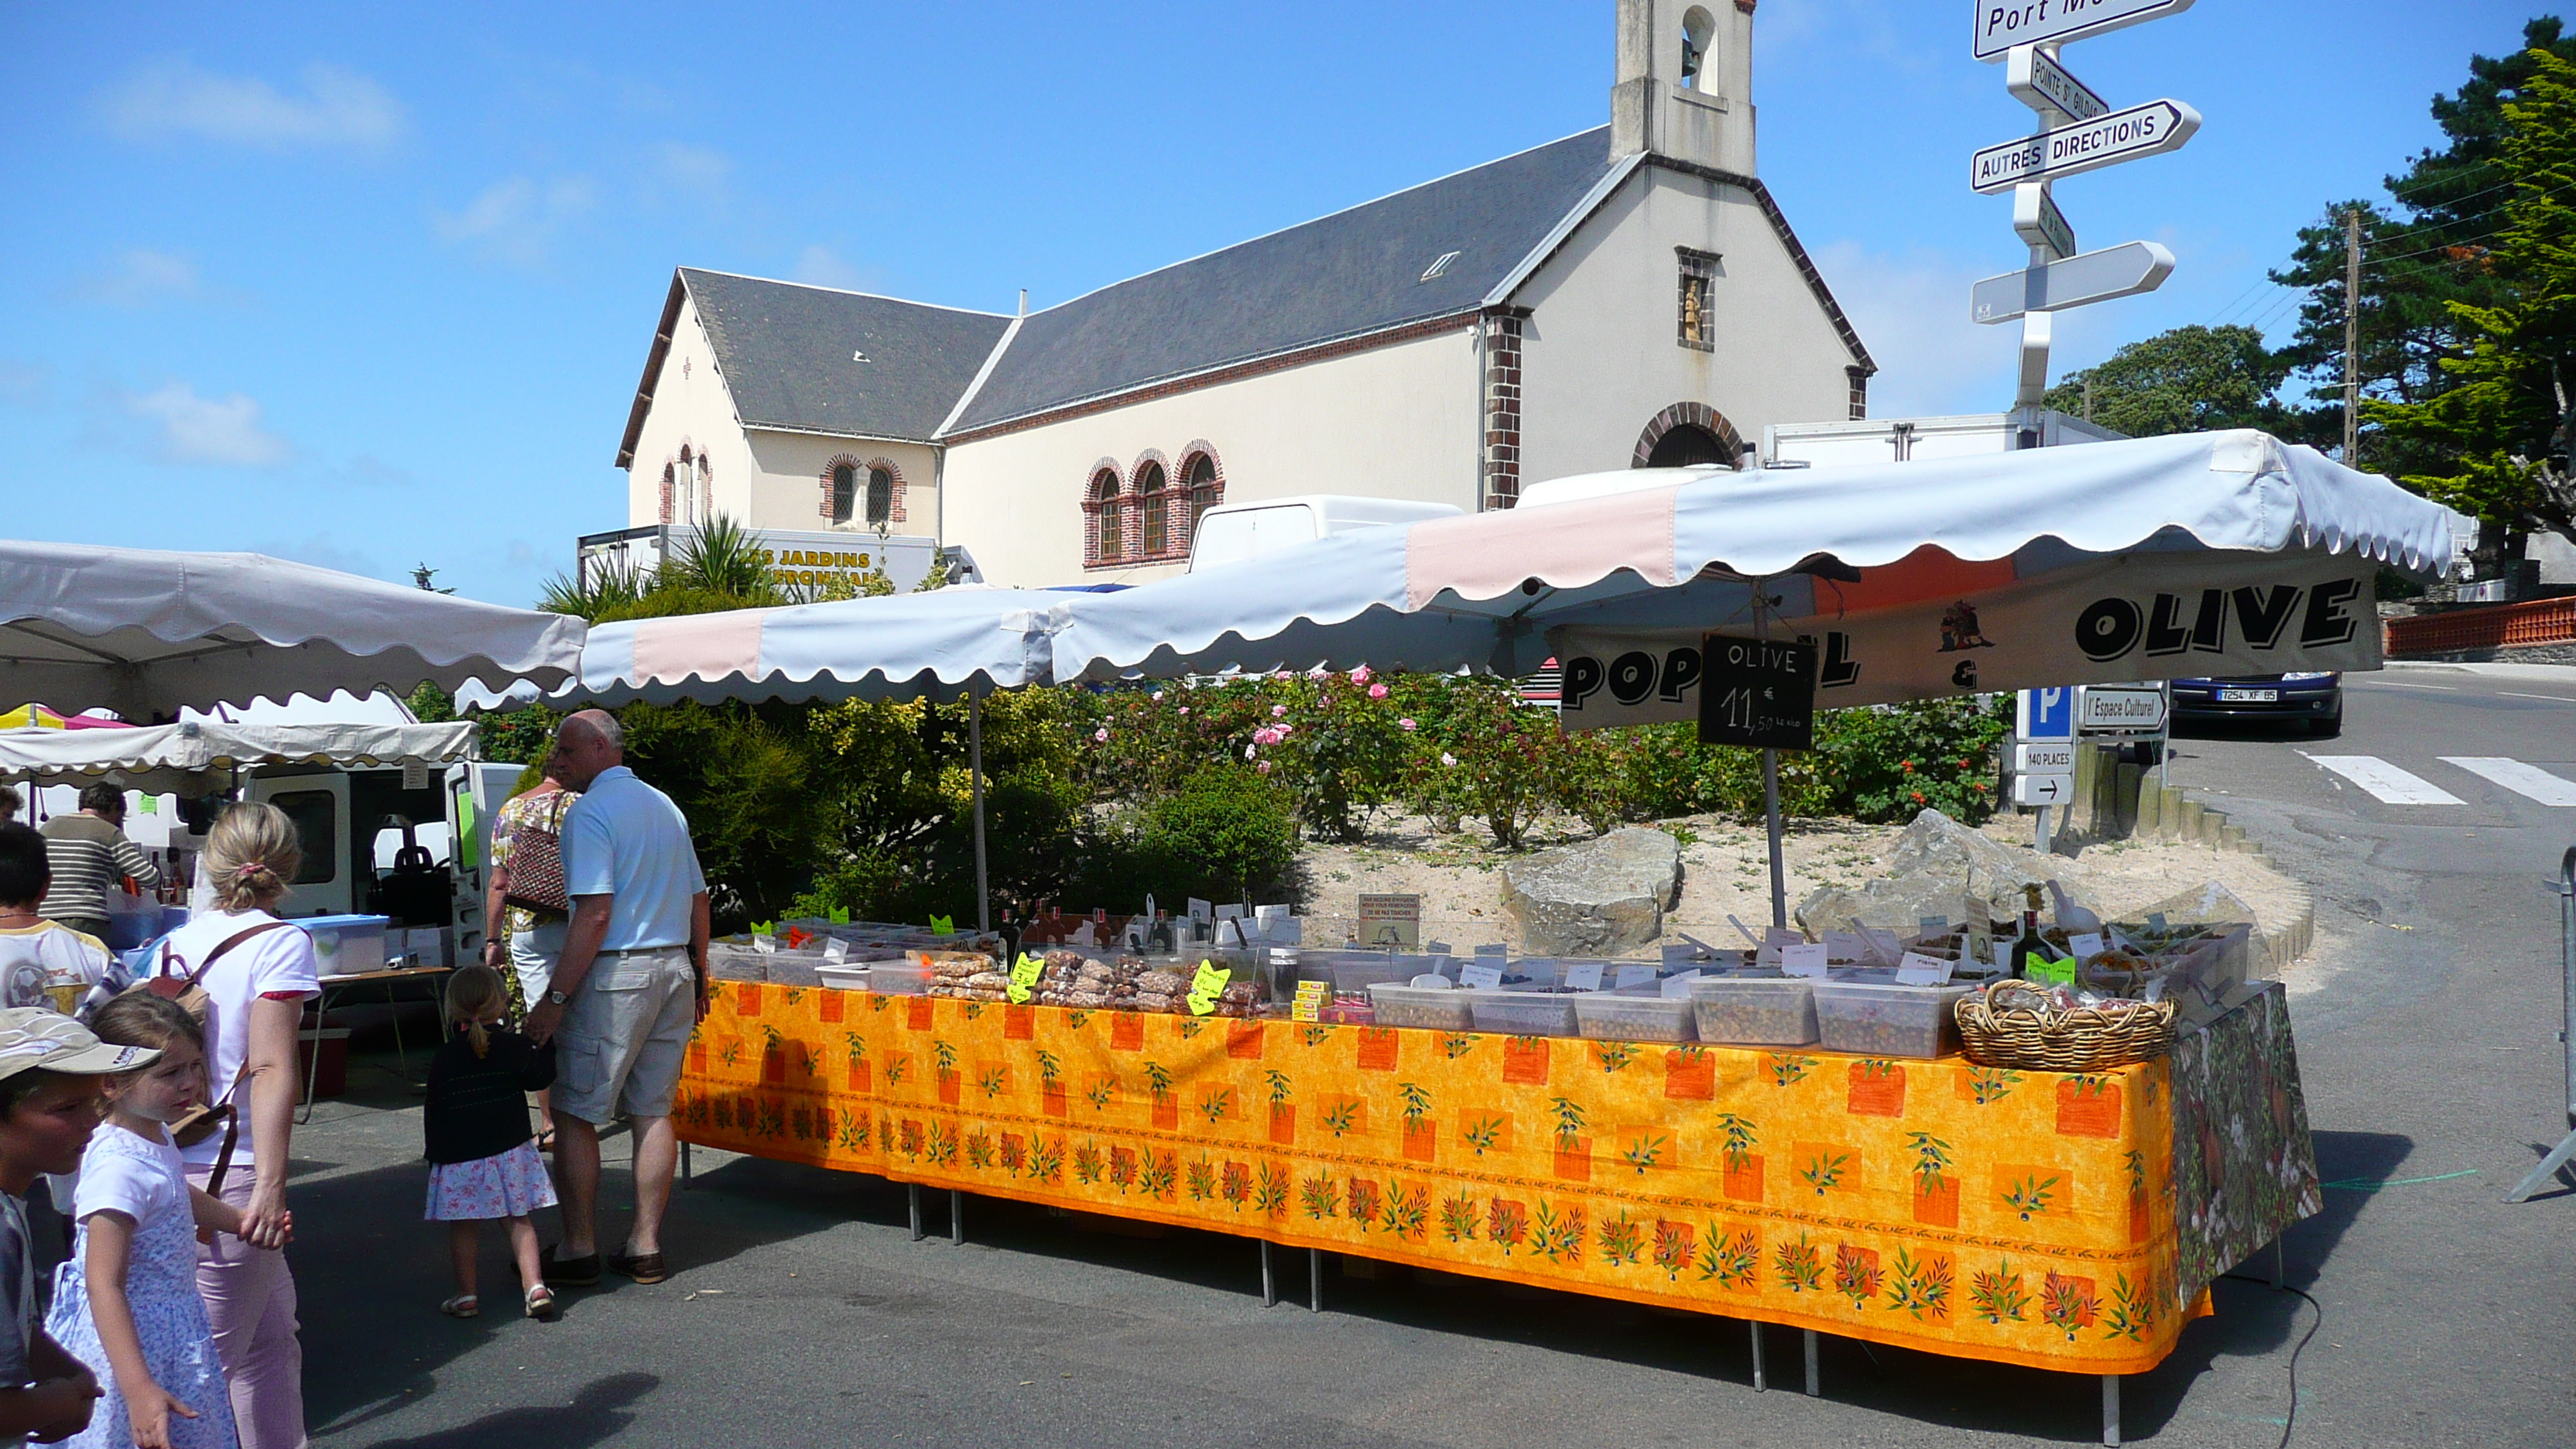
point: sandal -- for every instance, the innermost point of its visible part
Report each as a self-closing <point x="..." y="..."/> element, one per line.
<point x="546" y="1140"/>
<point x="541" y="1303"/>
<point x="463" y="1305"/>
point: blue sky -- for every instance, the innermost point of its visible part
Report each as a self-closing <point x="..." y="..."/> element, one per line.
<point x="369" y="286"/>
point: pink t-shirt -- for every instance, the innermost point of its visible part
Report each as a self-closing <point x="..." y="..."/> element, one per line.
<point x="272" y="963"/>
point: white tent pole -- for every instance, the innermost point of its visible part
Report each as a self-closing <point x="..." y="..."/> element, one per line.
<point x="1771" y="773"/>
<point x="975" y="771"/>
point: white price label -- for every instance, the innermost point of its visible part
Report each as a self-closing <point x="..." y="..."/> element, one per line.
<point x="1483" y="977"/>
<point x="1677" y="986"/>
<point x="1917" y="969"/>
<point x="2086" y="946"/>
<point x="1634" y="976"/>
<point x="1585" y="977"/>
<point x="1804" y="959"/>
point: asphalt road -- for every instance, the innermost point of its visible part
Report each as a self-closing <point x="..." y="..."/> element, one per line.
<point x="804" y="1314"/>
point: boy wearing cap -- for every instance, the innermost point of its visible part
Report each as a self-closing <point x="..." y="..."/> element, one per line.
<point x="50" y="1067"/>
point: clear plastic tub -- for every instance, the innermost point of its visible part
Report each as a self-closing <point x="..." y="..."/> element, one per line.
<point x="1433" y="1008"/>
<point x="1522" y="1013"/>
<point x="1873" y="1019"/>
<point x="843" y="978"/>
<point x="900" y="978"/>
<point x="1350" y="978"/>
<point x="1754" y="1010"/>
<point x="1634" y="1016"/>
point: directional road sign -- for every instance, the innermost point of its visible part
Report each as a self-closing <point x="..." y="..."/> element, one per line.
<point x="2043" y="789"/>
<point x="2148" y="130"/>
<point x="2044" y="757"/>
<point x="2121" y="271"/>
<point x="2036" y="217"/>
<point x="2045" y="86"/>
<point x="2003" y="24"/>
<point x="2139" y="710"/>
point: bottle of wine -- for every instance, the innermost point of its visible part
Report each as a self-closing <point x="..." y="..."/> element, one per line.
<point x="2030" y="943"/>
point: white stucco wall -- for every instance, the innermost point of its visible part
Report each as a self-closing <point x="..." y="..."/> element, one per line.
<point x="1599" y="352"/>
<point x="763" y="479"/>
<point x="1398" y="421"/>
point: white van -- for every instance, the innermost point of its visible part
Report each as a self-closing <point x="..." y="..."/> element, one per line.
<point x="1233" y="532"/>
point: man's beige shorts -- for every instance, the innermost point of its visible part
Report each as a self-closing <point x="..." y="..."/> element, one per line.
<point x="625" y="1034"/>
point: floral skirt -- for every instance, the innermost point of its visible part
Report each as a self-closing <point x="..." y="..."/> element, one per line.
<point x="512" y="1185"/>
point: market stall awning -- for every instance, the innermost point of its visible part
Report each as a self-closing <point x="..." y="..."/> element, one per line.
<point x="932" y="645"/>
<point x="144" y="632"/>
<point x="2208" y="553"/>
<point x="194" y="756"/>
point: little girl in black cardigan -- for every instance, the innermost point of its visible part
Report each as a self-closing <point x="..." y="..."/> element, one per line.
<point x="483" y="1157"/>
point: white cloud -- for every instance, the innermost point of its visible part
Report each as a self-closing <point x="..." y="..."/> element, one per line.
<point x="138" y="277"/>
<point x="822" y="267"/>
<point x="517" y="220"/>
<point x="172" y="97"/>
<point x="188" y="429"/>
<point x="688" y="173"/>
<point x="1912" y="314"/>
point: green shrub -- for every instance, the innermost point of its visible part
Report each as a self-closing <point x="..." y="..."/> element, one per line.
<point x="1226" y="835"/>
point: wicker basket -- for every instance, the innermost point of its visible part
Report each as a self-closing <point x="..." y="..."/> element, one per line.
<point x="2014" y="1024"/>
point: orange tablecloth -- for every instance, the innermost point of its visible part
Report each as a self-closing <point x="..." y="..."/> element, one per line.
<point x="2022" y="1217"/>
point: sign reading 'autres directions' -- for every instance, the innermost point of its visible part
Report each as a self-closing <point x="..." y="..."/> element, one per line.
<point x="2003" y="24"/>
<point x="2149" y="130"/>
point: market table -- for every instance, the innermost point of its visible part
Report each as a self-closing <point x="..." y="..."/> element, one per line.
<point x="2059" y="1221"/>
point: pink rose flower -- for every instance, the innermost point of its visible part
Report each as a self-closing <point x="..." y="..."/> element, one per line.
<point x="1377" y="691"/>
<point x="1360" y="675"/>
<point x="1408" y="724"/>
<point x="1278" y="711"/>
<point x="1100" y="735"/>
<point x="1263" y="767"/>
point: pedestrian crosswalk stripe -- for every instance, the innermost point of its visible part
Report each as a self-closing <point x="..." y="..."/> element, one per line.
<point x="2518" y="777"/>
<point x="2387" y="783"/>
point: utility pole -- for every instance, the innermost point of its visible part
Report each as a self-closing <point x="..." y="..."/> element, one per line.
<point x="2352" y="337"/>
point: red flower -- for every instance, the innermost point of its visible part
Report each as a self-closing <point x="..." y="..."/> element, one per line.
<point x="1909" y="766"/>
<point x="1918" y="797"/>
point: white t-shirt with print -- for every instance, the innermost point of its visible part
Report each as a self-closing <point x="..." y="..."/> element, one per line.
<point x="272" y="962"/>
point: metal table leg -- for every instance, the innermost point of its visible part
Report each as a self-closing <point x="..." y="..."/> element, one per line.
<point x="912" y="1195"/>
<point x="956" y="1218"/>
<point x="685" y="1173"/>
<point x="1314" y="1280"/>
<point x="2111" y="1409"/>
<point x="1755" y="1325"/>
<point x="1815" y="1385"/>
<point x="2279" y="1264"/>
<point x="313" y="1065"/>
<point x="1269" y="1284"/>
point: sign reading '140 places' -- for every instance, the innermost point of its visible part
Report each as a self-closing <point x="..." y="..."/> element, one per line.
<point x="2148" y="130"/>
<point x="2003" y="24"/>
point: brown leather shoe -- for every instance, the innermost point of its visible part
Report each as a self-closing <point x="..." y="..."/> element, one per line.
<point x="642" y="1267"/>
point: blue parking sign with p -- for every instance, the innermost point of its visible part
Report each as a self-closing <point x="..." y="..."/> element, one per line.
<point x="2046" y="714"/>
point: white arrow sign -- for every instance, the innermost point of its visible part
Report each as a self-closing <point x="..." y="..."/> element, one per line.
<point x="2045" y="86"/>
<point x="2036" y="217"/>
<point x="2148" y="130"/>
<point x="2121" y="271"/>
<point x="2002" y="24"/>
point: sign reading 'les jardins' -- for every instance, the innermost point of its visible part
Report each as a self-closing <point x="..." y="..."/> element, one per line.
<point x="2117" y="621"/>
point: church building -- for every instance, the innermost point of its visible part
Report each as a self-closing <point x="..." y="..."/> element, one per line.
<point x="1628" y="296"/>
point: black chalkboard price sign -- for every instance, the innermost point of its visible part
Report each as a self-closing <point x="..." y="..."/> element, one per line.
<point x="1760" y="693"/>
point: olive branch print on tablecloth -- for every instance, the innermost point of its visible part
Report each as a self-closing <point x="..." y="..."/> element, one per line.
<point x="1364" y="1202"/>
<point x="1921" y="1286"/>
<point x="1823" y="1172"/>
<point x="1408" y="1210"/>
<point x="979" y="1151"/>
<point x="1314" y="1036"/>
<point x="1730" y="1262"/>
<point x="1931" y="1159"/>
<point x="1857" y="1275"/>
<point x="1236" y="1185"/>
<point x="1277" y="1082"/>
<point x="2030" y="1194"/>
<point x="1320" y="1197"/>
<point x="1457" y="1044"/>
<point x="1202" y="1180"/>
<point x="1088" y="1163"/>
<point x="1506" y="1224"/>
<point x="1341" y="1117"/>
<point x="1458" y="1218"/>
<point x="1798" y="1265"/>
<point x="1998" y="1295"/>
<point x="942" y="1147"/>
<point x="1159" y="1078"/>
<point x="990" y="1080"/>
<point x="1569" y="1121"/>
<point x="1645" y="1151"/>
<point x="1046" y="1160"/>
<point x="2067" y="1303"/>
<point x="2133" y="1310"/>
<point x="1613" y="1055"/>
<point x="1100" y="1093"/>
<point x="1122" y="1168"/>
<point x="1162" y="1175"/>
<point x="1989" y="1085"/>
<point x="1561" y="1230"/>
<point x="1622" y="1240"/>
<point x="1788" y="1069"/>
<point x="1675" y="1248"/>
<point x="1216" y="1103"/>
<point x="1482" y="1134"/>
<point x="1270" y="1193"/>
<point x="1049" y="1065"/>
<point x="1417" y="1104"/>
<point x="1741" y="1138"/>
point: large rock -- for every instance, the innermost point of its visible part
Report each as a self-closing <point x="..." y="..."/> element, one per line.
<point x="1940" y="868"/>
<point x="1595" y="898"/>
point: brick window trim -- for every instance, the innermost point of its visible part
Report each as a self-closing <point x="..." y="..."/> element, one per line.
<point x="1691" y="414"/>
<point x="1191" y="452"/>
<point x="1130" y="505"/>
<point x="688" y="454"/>
<point x="1859" y="391"/>
<point x="859" y="471"/>
<point x="1502" y="402"/>
<point x="1698" y="277"/>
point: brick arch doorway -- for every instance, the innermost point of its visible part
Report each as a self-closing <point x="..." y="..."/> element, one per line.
<point x="1685" y="434"/>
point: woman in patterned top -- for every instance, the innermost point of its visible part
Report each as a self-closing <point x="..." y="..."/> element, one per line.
<point x="522" y="942"/>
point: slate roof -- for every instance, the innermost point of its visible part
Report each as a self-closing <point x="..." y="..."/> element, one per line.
<point x="785" y="350"/>
<point x="1345" y="275"/>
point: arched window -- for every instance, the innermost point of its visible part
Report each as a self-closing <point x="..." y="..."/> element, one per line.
<point x="845" y="487"/>
<point x="880" y="496"/>
<point x="1112" y="530"/>
<point x="1204" y="491"/>
<point x="1150" y="488"/>
<point x="1697" y="27"/>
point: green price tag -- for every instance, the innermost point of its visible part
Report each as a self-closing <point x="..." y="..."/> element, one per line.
<point x="2060" y="972"/>
<point x="1024" y="978"/>
<point x="1206" y="986"/>
<point x="840" y="915"/>
<point x="943" y="925"/>
<point x="764" y="928"/>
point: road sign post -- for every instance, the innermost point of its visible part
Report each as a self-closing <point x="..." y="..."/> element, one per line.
<point x="2036" y="80"/>
<point x="2040" y="223"/>
<point x="2044" y="752"/>
<point x="2107" y="140"/>
<point x="2003" y="24"/>
<point x="2121" y="271"/>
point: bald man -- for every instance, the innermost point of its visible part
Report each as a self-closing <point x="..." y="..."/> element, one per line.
<point x="629" y="988"/>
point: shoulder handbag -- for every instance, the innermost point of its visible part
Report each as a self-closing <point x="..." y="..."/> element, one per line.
<point x="189" y="991"/>
<point x="536" y="863"/>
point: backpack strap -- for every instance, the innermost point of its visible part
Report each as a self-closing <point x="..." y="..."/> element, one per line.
<point x="236" y="938"/>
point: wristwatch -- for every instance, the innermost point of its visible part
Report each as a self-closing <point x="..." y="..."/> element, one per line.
<point x="558" y="998"/>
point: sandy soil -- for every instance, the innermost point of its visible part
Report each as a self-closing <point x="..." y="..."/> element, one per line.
<point x="1725" y="872"/>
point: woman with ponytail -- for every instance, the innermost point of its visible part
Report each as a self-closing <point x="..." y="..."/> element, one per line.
<point x="256" y="972"/>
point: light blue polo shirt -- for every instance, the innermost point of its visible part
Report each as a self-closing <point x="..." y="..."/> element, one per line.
<point x="625" y="839"/>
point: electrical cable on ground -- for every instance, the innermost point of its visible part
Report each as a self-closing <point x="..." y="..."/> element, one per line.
<point x="2289" y="1421"/>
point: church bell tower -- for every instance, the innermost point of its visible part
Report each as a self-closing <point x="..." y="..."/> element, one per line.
<point x="1685" y="82"/>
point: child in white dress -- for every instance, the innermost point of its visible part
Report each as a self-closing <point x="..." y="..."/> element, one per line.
<point x="126" y="1303"/>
